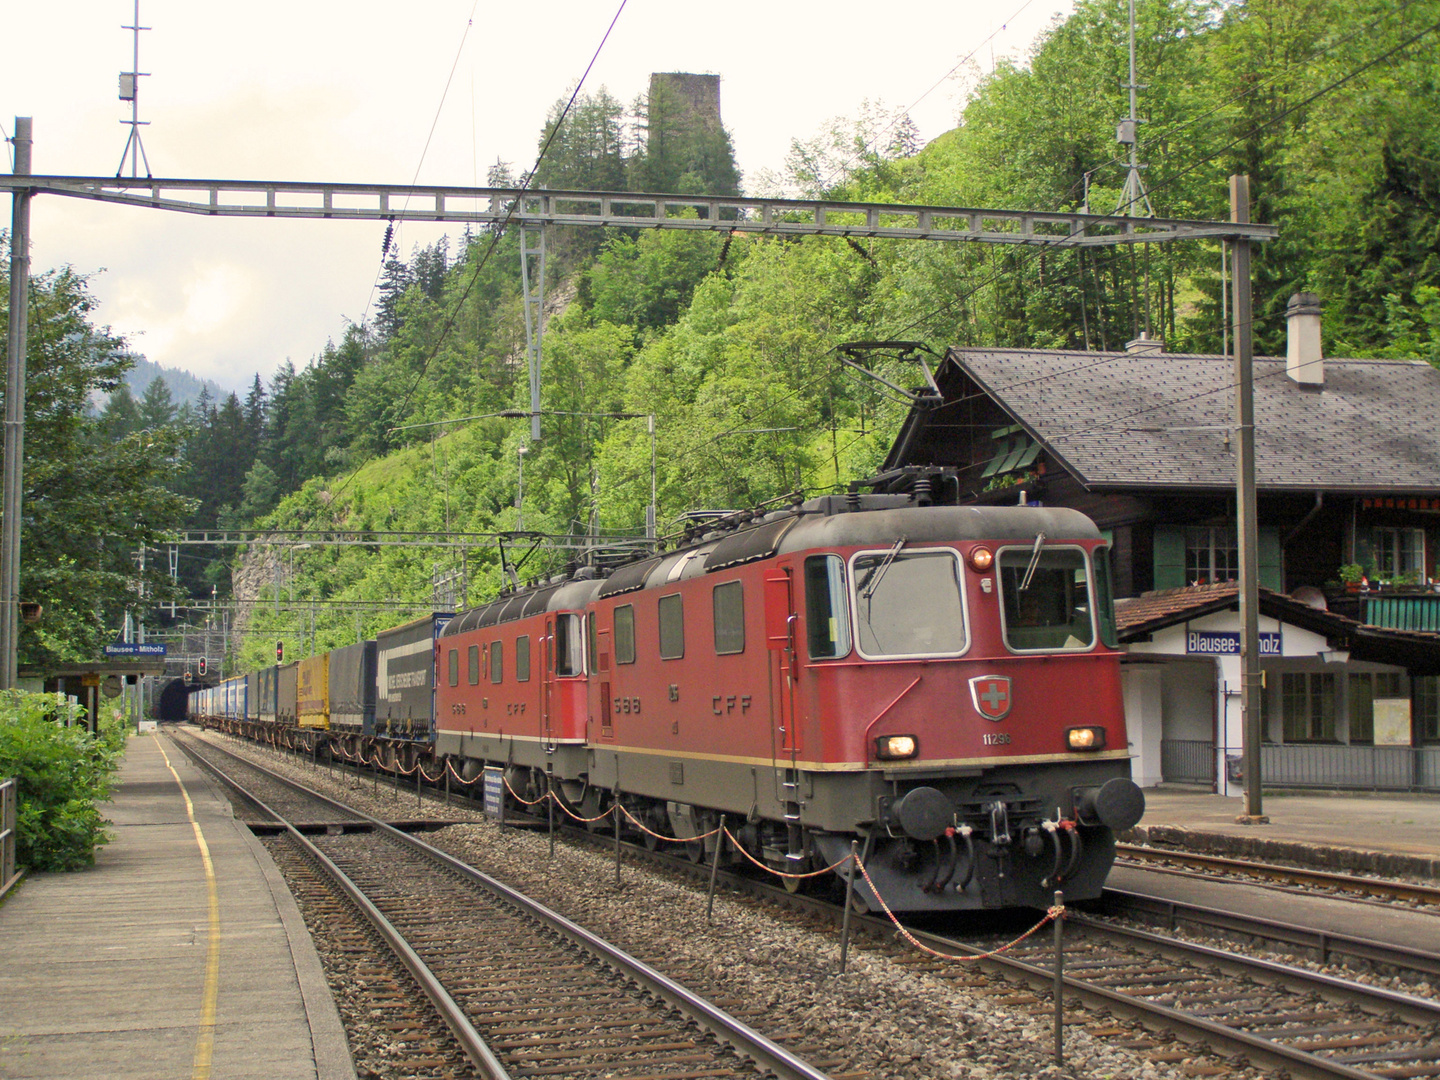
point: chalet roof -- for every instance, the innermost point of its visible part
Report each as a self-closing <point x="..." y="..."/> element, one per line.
<point x="1120" y="420"/>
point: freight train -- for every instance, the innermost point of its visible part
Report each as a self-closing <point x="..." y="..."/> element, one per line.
<point x="937" y="684"/>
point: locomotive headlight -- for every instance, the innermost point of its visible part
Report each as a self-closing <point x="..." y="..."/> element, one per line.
<point x="1085" y="738"/>
<point x="895" y="747"/>
<point x="981" y="558"/>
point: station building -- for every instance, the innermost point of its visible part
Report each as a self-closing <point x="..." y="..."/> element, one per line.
<point x="1348" y="480"/>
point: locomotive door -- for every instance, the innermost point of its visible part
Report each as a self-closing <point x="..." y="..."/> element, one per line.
<point x="780" y="620"/>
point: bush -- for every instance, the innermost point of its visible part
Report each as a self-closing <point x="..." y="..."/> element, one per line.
<point x="63" y="772"/>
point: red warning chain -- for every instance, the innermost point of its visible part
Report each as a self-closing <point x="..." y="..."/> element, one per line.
<point x="1055" y="912"/>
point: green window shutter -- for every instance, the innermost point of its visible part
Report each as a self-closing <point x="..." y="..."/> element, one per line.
<point x="1271" y="576"/>
<point x="1169" y="557"/>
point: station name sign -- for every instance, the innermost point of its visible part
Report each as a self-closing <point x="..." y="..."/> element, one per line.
<point x="131" y="648"/>
<point x="1227" y="642"/>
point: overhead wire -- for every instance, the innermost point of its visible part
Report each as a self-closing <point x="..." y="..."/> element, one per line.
<point x="444" y="93"/>
<point x="495" y="235"/>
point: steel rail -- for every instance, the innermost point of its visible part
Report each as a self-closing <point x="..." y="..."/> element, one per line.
<point x="470" y="1040"/>
<point x="1325" y="943"/>
<point x="1259" y="1050"/>
<point x="766" y="1054"/>
<point x="1400" y="890"/>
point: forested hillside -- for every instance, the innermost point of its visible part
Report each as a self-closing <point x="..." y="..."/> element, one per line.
<point x="728" y="340"/>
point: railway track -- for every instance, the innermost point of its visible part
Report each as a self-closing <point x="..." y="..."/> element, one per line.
<point x="1306" y="1022"/>
<point x="521" y="990"/>
<point x="1188" y="863"/>
<point x="1320" y="946"/>
<point x="1276" y="1016"/>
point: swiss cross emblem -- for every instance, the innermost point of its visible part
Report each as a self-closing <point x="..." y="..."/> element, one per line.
<point x="991" y="696"/>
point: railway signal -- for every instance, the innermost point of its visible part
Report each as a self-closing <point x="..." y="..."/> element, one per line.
<point x="202" y="665"/>
<point x="279" y="652"/>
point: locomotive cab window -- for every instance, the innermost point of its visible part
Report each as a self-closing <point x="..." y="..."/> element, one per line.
<point x="729" y="603"/>
<point x="1046" y="601"/>
<point x="827" y="615"/>
<point x="473" y="665"/>
<point x="497" y="663"/>
<point x="625" y="634"/>
<point x="908" y="603"/>
<point x="672" y="627"/>
<point x="522" y="658"/>
<point x="569" y="645"/>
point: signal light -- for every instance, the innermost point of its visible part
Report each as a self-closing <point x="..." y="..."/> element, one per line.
<point x="202" y="665"/>
<point x="981" y="559"/>
<point x="279" y="652"/>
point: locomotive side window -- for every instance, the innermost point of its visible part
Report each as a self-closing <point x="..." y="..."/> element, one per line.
<point x="522" y="658"/>
<point x="454" y="665"/>
<point x="590" y="642"/>
<point x="569" y="645"/>
<point x="729" y="602"/>
<point x="497" y="663"/>
<point x="473" y="656"/>
<point x="908" y="603"/>
<point x="625" y="634"/>
<point x="1046" y="602"/>
<point x="672" y="628"/>
<point x="1104" y="598"/>
<point x="827" y="615"/>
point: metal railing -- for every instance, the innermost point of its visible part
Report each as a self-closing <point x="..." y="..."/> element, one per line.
<point x="1187" y="761"/>
<point x="1371" y="768"/>
<point x="9" y="790"/>
<point x="1401" y="611"/>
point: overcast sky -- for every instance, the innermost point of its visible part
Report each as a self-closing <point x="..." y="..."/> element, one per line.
<point x="349" y="91"/>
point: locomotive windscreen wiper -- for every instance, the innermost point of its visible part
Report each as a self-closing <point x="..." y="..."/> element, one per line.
<point x="878" y="574"/>
<point x="1034" y="561"/>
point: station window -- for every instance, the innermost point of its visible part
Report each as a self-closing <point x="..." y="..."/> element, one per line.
<point x="672" y="627"/>
<point x="522" y="658"/>
<point x="625" y="634"/>
<point x="497" y="663"/>
<point x="1308" y="705"/>
<point x="1363" y="692"/>
<point x="729" y="602"/>
<point x="454" y="665"/>
<point x="1426" y="702"/>
<point x="473" y="655"/>
<point x="827" y="615"/>
<point x="1212" y="553"/>
<point x="1399" y="553"/>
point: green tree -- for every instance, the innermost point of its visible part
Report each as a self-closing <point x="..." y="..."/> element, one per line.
<point x="157" y="406"/>
<point x="90" y="502"/>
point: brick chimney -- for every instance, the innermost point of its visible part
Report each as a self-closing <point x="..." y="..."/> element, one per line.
<point x="1304" y="359"/>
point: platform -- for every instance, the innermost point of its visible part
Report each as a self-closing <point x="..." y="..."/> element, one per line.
<point x="128" y="969"/>
<point x="1346" y="831"/>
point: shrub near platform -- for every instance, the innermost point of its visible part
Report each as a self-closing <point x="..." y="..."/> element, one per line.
<point x="63" y="771"/>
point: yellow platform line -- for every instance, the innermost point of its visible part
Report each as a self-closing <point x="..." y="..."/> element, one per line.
<point x="205" y="1040"/>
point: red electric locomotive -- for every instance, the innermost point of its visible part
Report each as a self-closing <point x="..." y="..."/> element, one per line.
<point x="939" y="683"/>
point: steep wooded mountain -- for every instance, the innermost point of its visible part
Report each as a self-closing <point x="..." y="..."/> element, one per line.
<point x="728" y="340"/>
